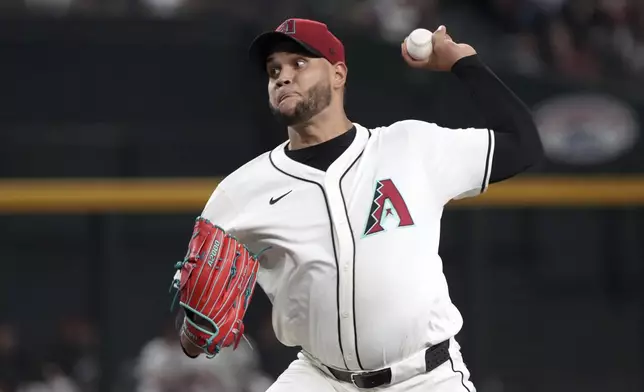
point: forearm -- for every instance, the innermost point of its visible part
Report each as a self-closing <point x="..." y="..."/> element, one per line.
<point x="517" y="142"/>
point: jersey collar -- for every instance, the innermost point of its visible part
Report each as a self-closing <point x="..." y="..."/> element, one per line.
<point x="283" y="163"/>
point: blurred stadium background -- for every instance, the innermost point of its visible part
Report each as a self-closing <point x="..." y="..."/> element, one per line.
<point x="118" y="118"/>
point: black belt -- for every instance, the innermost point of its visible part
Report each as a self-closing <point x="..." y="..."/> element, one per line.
<point x="434" y="357"/>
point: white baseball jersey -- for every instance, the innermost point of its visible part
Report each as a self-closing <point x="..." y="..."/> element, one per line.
<point x="352" y="269"/>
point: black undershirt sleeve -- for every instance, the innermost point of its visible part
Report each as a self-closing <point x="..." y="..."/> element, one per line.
<point x="517" y="144"/>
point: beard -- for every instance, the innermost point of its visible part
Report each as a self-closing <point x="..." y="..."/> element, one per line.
<point x="317" y="99"/>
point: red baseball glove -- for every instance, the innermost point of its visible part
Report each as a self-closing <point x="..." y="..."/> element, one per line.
<point x="215" y="283"/>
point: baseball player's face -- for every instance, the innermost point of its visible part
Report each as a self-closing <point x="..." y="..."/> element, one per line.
<point x="299" y="86"/>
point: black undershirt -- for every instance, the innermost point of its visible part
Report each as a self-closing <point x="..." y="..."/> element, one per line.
<point x="517" y="142"/>
<point x="321" y="156"/>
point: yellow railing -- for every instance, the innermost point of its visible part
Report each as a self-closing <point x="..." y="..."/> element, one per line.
<point x="169" y="195"/>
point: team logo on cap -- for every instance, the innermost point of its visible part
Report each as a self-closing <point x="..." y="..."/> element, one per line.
<point x="288" y="27"/>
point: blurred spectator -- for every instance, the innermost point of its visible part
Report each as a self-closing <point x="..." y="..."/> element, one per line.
<point x="75" y="352"/>
<point x="47" y="378"/>
<point x="392" y="19"/>
<point x="575" y="38"/>
<point x="570" y="57"/>
<point x="163" y="8"/>
<point x="583" y="39"/>
<point x="52" y="7"/>
<point x="13" y="360"/>
<point x="162" y="367"/>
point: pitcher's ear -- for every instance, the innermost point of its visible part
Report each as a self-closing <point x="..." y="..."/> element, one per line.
<point x="340" y="75"/>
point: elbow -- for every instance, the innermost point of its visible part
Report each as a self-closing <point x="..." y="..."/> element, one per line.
<point x="517" y="151"/>
<point x="526" y="143"/>
<point x="527" y="152"/>
<point x="532" y="157"/>
<point x="533" y="150"/>
<point x="533" y="161"/>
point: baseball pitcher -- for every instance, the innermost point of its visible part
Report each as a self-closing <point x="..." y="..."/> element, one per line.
<point x="340" y="224"/>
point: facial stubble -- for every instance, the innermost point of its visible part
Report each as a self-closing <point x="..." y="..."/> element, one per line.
<point x="317" y="99"/>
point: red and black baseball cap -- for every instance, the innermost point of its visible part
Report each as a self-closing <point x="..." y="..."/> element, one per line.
<point x="312" y="36"/>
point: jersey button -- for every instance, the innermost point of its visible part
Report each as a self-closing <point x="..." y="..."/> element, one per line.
<point x="345" y="314"/>
<point x="346" y="267"/>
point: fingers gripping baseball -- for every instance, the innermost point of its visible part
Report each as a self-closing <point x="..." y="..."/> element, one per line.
<point x="442" y="56"/>
<point x="215" y="283"/>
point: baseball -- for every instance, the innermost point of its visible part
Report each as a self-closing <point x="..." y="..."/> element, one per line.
<point x="419" y="44"/>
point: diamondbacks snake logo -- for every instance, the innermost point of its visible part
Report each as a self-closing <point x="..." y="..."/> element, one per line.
<point x="387" y="204"/>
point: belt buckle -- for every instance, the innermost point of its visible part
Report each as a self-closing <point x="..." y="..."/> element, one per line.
<point x="362" y="384"/>
<point x="353" y="380"/>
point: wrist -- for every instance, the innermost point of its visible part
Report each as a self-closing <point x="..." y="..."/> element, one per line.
<point x="189" y="353"/>
<point x="465" y="62"/>
<point x="191" y="338"/>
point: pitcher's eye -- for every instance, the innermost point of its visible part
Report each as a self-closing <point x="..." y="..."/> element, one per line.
<point x="273" y="72"/>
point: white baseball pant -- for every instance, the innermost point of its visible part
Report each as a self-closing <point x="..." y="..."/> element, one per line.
<point x="305" y="375"/>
